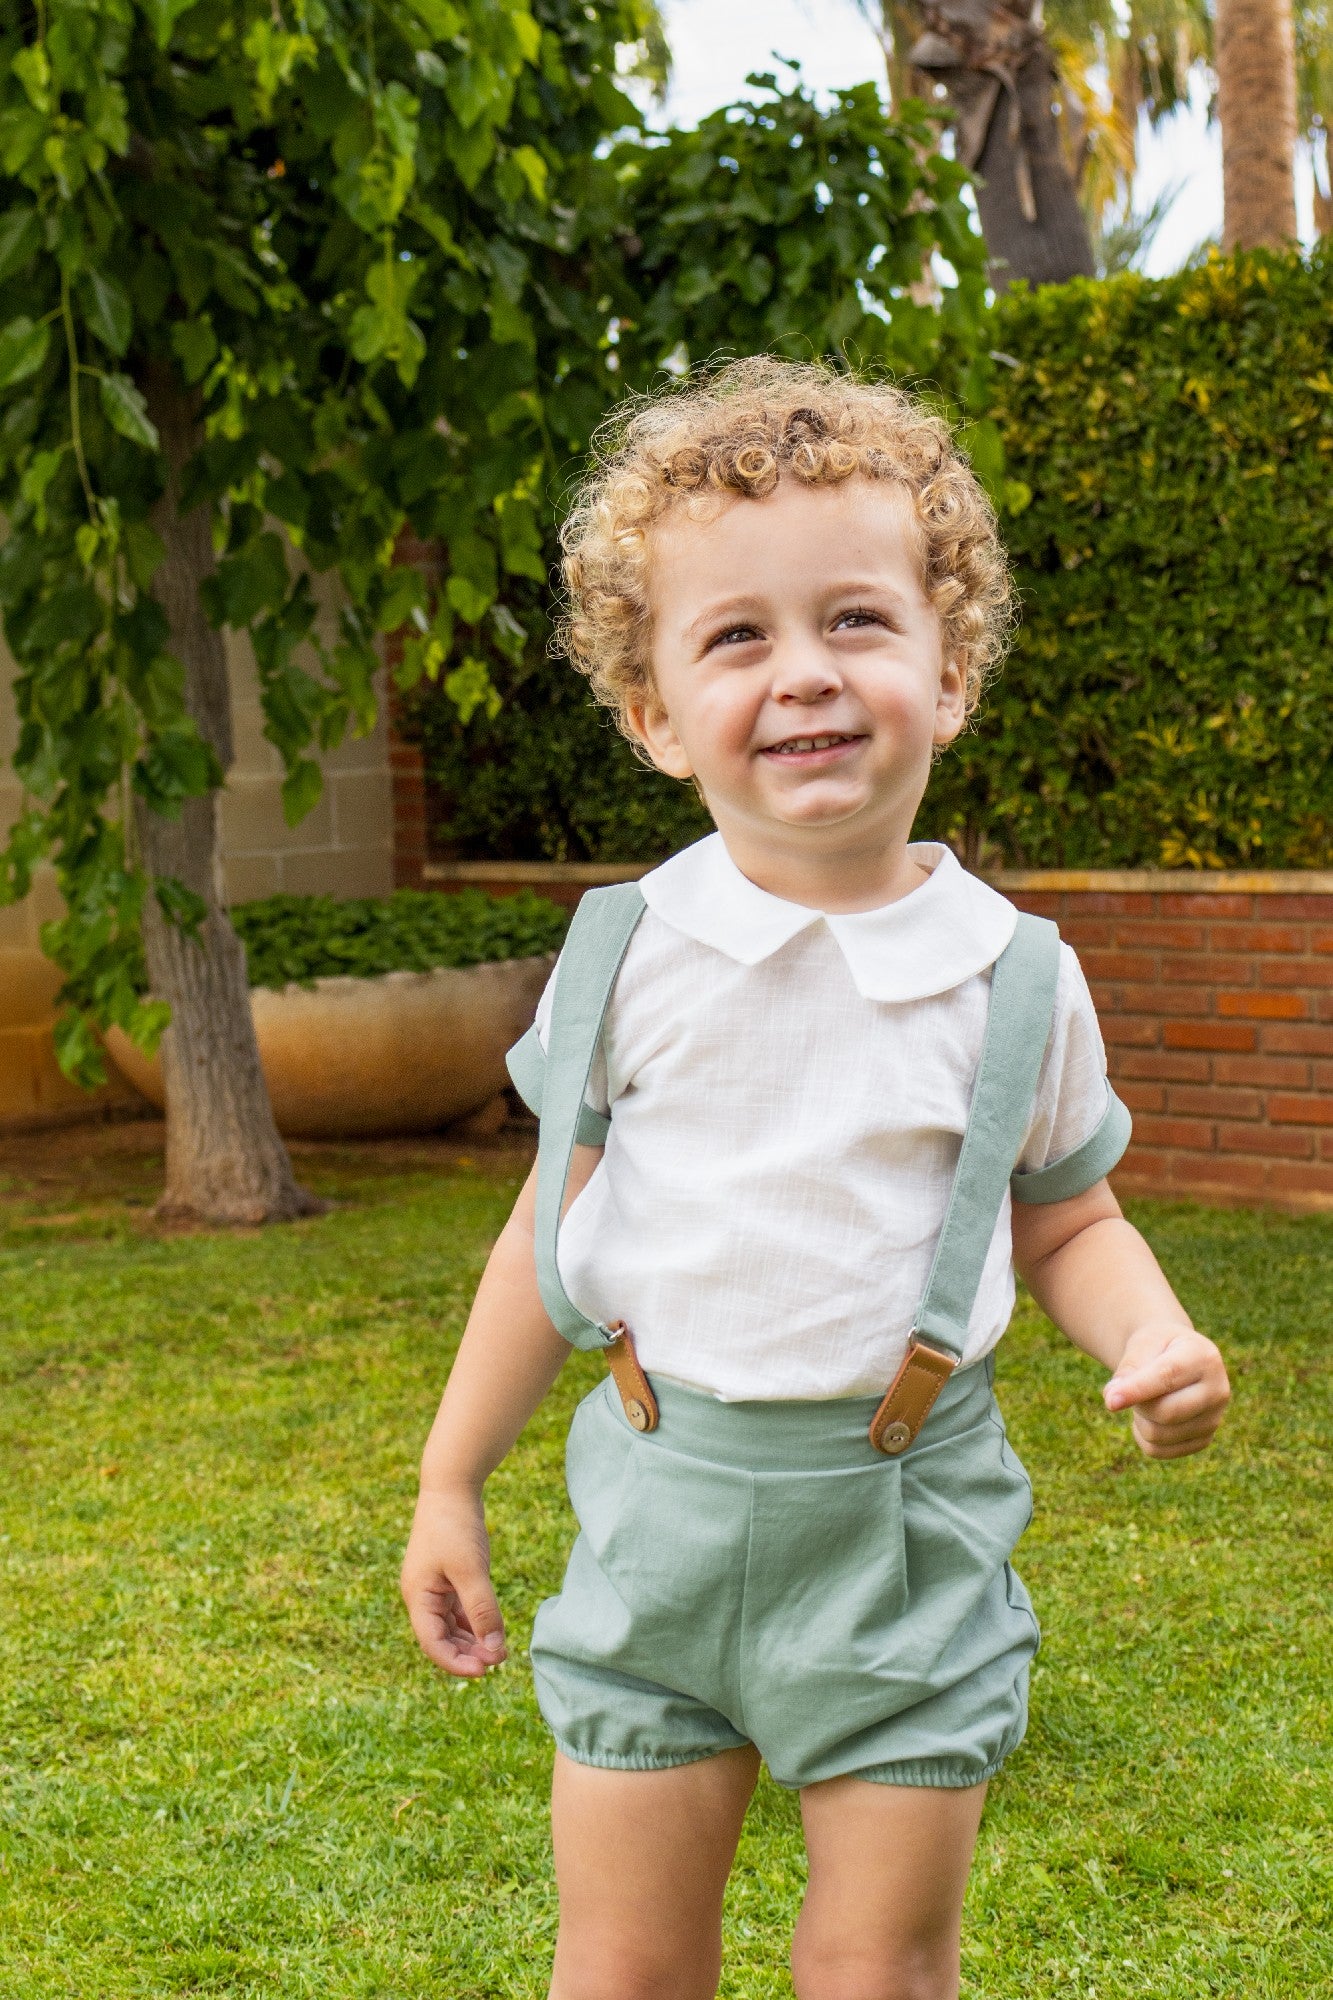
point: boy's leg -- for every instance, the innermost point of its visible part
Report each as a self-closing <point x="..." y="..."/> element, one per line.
<point x="883" y="1909"/>
<point x="641" y="1863"/>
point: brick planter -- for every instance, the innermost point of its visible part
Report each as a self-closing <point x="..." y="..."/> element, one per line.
<point x="1216" y="1000"/>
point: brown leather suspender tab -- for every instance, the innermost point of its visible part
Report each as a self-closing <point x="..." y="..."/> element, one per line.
<point x="910" y="1397"/>
<point x="635" y="1392"/>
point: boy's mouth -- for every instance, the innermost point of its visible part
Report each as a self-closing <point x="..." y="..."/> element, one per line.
<point x="811" y="749"/>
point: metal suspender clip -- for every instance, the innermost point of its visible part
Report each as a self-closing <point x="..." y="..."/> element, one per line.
<point x="635" y="1390"/>
<point x="910" y="1397"/>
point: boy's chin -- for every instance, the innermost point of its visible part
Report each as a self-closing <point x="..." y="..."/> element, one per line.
<point x="822" y="801"/>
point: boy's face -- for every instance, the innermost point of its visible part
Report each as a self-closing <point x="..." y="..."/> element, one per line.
<point x="797" y="620"/>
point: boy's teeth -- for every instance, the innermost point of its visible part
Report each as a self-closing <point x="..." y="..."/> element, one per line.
<point x="811" y="743"/>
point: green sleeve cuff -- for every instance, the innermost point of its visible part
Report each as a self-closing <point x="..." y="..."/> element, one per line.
<point x="526" y="1063"/>
<point x="1085" y="1166"/>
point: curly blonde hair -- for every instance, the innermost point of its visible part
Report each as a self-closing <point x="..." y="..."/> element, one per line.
<point x="733" y="432"/>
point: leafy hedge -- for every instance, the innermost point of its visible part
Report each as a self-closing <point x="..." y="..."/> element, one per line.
<point x="1167" y="699"/>
<point x="303" y="938"/>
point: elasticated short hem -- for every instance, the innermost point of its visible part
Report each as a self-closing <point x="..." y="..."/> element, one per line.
<point x="759" y="1573"/>
<point x="606" y="1762"/>
<point x="934" y="1776"/>
<point x="939" y="1776"/>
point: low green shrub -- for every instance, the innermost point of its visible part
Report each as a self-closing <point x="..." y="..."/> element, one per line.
<point x="1166" y="702"/>
<point x="298" y="939"/>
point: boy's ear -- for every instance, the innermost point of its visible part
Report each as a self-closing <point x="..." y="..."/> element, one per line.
<point x="951" y="702"/>
<point x="651" y="725"/>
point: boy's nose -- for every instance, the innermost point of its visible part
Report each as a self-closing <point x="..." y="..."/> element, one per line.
<point x="805" y="674"/>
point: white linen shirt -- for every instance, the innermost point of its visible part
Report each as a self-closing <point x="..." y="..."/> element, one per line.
<point x="789" y="1091"/>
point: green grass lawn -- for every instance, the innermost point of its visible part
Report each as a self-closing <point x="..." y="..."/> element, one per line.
<point x="225" y="1769"/>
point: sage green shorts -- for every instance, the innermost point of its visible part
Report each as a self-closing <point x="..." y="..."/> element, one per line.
<point x="759" y="1573"/>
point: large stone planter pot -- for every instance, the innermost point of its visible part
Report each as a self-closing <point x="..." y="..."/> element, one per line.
<point x="406" y="1052"/>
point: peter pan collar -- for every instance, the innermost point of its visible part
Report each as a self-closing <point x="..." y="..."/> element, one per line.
<point x="949" y="929"/>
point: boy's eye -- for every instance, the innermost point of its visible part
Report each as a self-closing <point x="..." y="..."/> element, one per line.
<point x="858" y="616"/>
<point x="734" y="635"/>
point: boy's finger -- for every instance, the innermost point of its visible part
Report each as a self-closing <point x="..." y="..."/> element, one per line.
<point x="442" y="1636"/>
<point x="1179" y="1406"/>
<point x="1182" y="1448"/>
<point x="481" y="1610"/>
<point x="454" y="1654"/>
<point x="1139" y="1385"/>
<point x="1202" y="1428"/>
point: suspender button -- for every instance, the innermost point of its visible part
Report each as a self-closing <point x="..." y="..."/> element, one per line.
<point x="896" y="1438"/>
<point x="636" y="1413"/>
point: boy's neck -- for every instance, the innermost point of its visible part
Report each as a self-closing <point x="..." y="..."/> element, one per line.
<point x="842" y="875"/>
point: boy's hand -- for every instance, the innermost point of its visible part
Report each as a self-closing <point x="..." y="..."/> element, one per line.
<point x="446" y="1585"/>
<point x="1176" y="1383"/>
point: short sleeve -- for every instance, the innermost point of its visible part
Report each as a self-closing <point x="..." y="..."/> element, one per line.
<point x="527" y="1069"/>
<point x="1079" y="1128"/>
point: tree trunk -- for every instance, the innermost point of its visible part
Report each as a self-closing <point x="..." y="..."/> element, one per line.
<point x="225" y="1161"/>
<point x="992" y="58"/>
<point x="897" y="33"/>
<point x="1254" y="54"/>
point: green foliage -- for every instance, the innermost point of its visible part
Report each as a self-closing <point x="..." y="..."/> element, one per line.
<point x="230" y="1772"/>
<point x="298" y="939"/>
<point x="548" y="777"/>
<point x="783" y="226"/>
<point x="1167" y="700"/>
<point x="348" y="237"/>
<point x="777" y="226"/>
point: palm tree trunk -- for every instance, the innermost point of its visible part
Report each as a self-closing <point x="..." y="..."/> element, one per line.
<point x="225" y="1160"/>
<point x="1254" y="55"/>
<point x="993" y="60"/>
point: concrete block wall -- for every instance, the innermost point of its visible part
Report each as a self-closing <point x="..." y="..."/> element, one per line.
<point x="343" y="848"/>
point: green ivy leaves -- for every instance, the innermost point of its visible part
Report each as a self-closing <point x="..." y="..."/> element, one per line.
<point x="23" y="348"/>
<point x="383" y="329"/>
<point x="126" y="411"/>
<point x="107" y="308"/>
<point x="20" y="234"/>
<point x="273" y="241"/>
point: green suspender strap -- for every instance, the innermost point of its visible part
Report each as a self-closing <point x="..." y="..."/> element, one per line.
<point x="1018" y="1026"/>
<point x="555" y="1086"/>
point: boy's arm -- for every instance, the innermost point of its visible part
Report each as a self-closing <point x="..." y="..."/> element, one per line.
<point x="1092" y="1273"/>
<point x="508" y="1358"/>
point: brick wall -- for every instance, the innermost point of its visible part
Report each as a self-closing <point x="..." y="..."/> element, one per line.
<point x="1216" y="1001"/>
<point x="1215" y="995"/>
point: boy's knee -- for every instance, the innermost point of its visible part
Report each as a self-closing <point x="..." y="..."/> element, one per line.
<point x="876" y="1982"/>
<point x="848" y="1972"/>
<point x="631" y="1970"/>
